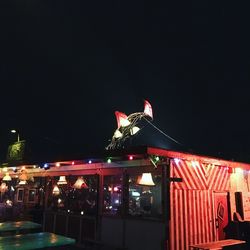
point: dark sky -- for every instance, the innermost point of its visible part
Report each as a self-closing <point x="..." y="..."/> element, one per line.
<point x="67" y="66"/>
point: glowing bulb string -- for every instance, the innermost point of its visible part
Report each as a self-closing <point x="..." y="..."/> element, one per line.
<point x="162" y="131"/>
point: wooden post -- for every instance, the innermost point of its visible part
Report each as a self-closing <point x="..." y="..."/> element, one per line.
<point x="166" y="200"/>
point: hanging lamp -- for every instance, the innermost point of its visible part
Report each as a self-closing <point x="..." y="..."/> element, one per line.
<point x="80" y="183"/>
<point x="146" y="180"/>
<point x="56" y="190"/>
<point x="62" y="180"/>
<point x="7" y="177"/>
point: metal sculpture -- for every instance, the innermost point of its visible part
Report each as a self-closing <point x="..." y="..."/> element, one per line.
<point x="128" y="126"/>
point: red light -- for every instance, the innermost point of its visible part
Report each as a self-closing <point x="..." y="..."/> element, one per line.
<point x="131" y="157"/>
<point x="72" y="163"/>
<point x="116" y="189"/>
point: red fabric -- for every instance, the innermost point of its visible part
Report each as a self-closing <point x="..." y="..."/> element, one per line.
<point x="119" y="117"/>
<point x="148" y="109"/>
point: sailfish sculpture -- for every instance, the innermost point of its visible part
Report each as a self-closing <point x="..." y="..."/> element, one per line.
<point x="128" y="126"/>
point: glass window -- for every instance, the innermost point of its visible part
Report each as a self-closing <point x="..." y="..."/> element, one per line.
<point x="145" y="198"/>
<point x="20" y="193"/>
<point x="112" y="195"/>
<point x="77" y="195"/>
<point x="32" y="195"/>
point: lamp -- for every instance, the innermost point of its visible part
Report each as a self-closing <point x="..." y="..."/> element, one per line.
<point x="7" y="177"/>
<point x="56" y="190"/>
<point x="146" y="180"/>
<point x="80" y="183"/>
<point x="3" y="187"/>
<point x="62" y="180"/>
<point x="22" y="182"/>
<point x="14" y="132"/>
<point x="134" y="130"/>
<point x="118" y="134"/>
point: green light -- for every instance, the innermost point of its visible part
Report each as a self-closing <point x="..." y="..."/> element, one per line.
<point x="157" y="158"/>
<point x="109" y="161"/>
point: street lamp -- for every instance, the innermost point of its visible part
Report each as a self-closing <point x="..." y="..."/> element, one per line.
<point x="15" y="132"/>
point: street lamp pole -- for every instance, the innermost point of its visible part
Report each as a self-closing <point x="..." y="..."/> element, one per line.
<point x="15" y="132"/>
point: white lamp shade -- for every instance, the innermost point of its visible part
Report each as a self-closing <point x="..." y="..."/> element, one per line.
<point x="146" y="180"/>
<point x="22" y="182"/>
<point x="7" y="177"/>
<point x="62" y="181"/>
<point x="117" y="134"/>
<point x="80" y="183"/>
<point x="134" y="130"/>
<point x="56" y="190"/>
<point x="124" y="122"/>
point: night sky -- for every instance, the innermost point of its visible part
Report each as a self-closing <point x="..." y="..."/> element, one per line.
<point x="67" y="66"/>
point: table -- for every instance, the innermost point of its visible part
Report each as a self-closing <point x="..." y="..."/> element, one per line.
<point x="34" y="241"/>
<point x="216" y="244"/>
<point x="16" y="227"/>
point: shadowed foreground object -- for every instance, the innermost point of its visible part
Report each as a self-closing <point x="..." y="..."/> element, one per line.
<point x="34" y="241"/>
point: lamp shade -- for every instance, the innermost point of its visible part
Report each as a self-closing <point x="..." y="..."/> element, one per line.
<point x="62" y="181"/>
<point x="3" y="187"/>
<point x="118" y="134"/>
<point x="146" y="180"/>
<point x="56" y="190"/>
<point x="7" y="177"/>
<point x="22" y="182"/>
<point x="80" y="183"/>
<point x="134" y="130"/>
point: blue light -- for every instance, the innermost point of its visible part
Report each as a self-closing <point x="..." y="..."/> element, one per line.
<point x="46" y="166"/>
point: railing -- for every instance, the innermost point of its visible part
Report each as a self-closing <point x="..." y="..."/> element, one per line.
<point x="81" y="228"/>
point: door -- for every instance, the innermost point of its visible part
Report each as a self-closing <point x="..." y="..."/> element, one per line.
<point x="220" y="214"/>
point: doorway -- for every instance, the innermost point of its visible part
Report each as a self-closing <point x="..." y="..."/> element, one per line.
<point x="220" y="213"/>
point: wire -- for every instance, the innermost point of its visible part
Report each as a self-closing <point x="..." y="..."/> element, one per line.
<point x="162" y="132"/>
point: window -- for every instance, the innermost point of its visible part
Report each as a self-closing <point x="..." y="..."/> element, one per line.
<point x="112" y="195"/>
<point x="78" y="195"/>
<point x="145" y="200"/>
<point x="20" y="194"/>
<point x="32" y="195"/>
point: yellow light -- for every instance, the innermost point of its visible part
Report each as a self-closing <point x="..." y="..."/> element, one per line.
<point x="80" y="183"/>
<point x="22" y="182"/>
<point x="238" y="170"/>
<point x="7" y="177"/>
<point x="56" y="190"/>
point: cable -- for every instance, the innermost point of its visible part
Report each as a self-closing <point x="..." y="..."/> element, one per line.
<point x="162" y="132"/>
